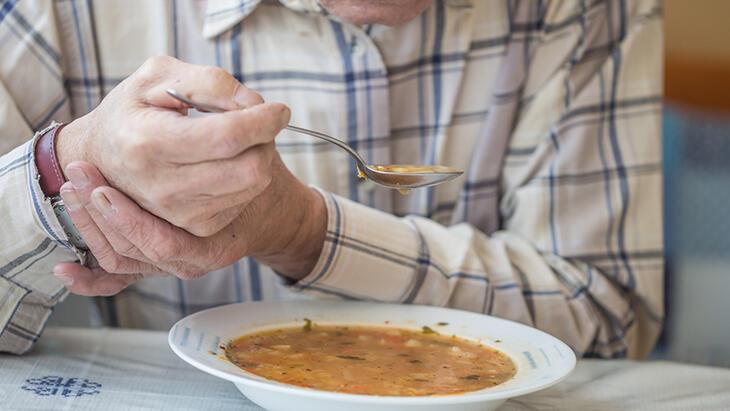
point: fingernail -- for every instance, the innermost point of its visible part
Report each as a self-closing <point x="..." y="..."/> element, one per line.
<point x="78" y="177"/>
<point x="70" y="199"/>
<point x="102" y="203"/>
<point x="66" y="279"/>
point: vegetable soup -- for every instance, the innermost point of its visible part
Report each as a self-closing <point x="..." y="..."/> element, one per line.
<point x="371" y="360"/>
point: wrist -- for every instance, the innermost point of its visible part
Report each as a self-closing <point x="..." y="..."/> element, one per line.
<point x="69" y="143"/>
<point x="301" y="221"/>
<point x="308" y="241"/>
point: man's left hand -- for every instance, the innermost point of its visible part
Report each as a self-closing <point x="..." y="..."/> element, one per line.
<point x="283" y="228"/>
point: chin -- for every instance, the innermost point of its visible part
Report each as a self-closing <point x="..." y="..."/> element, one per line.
<point x="387" y="12"/>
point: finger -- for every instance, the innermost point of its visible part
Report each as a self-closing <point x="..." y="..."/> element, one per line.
<point x="186" y="140"/>
<point x="206" y="227"/>
<point x="97" y="242"/>
<point x="205" y="84"/>
<point x="222" y="188"/>
<point x="85" y="178"/>
<point x="161" y="242"/>
<point x="92" y="282"/>
<point x="228" y="182"/>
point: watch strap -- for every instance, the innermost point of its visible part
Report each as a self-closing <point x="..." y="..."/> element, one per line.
<point x="51" y="178"/>
<point x="50" y="174"/>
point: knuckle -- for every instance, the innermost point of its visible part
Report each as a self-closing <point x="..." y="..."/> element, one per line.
<point x="163" y="251"/>
<point x="189" y="273"/>
<point x="229" y="144"/>
<point x="202" y="224"/>
<point x="109" y="262"/>
<point x="217" y="74"/>
<point x="129" y="227"/>
<point x="214" y="223"/>
<point x="135" y="151"/>
<point x="155" y="64"/>
<point x="186" y="221"/>
<point x="134" y="232"/>
<point x="185" y="274"/>
<point x="281" y="113"/>
<point x="150" y="72"/>
<point x="126" y="250"/>
<point x="85" y="226"/>
<point x="251" y="97"/>
<point x="202" y="230"/>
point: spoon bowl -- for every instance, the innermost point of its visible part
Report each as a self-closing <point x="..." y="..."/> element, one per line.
<point x="406" y="177"/>
<point x="400" y="177"/>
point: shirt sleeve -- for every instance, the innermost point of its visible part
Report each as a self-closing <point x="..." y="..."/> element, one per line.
<point x="31" y="239"/>
<point x="31" y="243"/>
<point x="579" y="251"/>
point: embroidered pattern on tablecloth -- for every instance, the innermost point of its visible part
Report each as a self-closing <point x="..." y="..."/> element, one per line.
<point x="66" y="387"/>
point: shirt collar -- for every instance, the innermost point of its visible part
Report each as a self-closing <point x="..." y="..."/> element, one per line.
<point x="221" y="15"/>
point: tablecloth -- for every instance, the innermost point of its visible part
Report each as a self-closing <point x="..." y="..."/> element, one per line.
<point x="111" y="369"/>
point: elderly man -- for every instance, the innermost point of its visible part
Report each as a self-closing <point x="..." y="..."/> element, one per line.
<point x="552" y="108"/>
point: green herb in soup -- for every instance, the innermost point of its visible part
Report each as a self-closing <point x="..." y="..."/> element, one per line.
<point x="371" y="360"/>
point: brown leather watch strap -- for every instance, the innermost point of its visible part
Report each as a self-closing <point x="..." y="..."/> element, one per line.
<point x="51" y="176"/>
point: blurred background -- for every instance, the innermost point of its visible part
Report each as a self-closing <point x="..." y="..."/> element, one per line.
<point x="697" y="180"/>
<point x="697" y="186"/>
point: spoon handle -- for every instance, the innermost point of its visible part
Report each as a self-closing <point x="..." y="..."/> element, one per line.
<point x="329" y="139"/>
<point x="214" y="109"/>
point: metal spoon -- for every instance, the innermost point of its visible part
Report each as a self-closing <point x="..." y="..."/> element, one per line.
<point x="401" y="177"/>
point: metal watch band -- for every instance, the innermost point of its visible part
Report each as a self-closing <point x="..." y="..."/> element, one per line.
<point x="72" y="233"/>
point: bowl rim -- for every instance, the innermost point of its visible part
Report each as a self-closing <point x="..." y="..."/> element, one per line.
<point x="483" y="395"/>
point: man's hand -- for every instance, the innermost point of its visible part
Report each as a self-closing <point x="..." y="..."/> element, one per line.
<point x="197" y="173"/>
<point x="283" y="227"/>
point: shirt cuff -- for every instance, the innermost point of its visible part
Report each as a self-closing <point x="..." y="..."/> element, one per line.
<point x="365" y="249"/>
<point x="32" y="240"/>
<point x="46" y="219"/>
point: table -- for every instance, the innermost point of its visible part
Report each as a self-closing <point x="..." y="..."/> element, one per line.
<point x="111" y="369"/>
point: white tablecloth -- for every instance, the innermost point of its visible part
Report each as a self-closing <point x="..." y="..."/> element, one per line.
<point x="104" y="369"/>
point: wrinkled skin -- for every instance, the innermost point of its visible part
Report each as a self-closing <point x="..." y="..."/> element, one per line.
<point x="136" y="233"/>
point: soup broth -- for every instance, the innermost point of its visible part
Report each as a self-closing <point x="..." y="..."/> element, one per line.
<point x="369" y="360"/>
<point x="413" y="169"/>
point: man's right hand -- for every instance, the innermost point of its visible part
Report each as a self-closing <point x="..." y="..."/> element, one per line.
<point x="197" y="173"/>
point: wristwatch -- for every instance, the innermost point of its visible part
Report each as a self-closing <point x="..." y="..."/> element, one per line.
<point x="51" y="178"/>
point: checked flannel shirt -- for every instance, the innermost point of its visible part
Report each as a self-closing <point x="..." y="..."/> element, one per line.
<point x="551" y="107"/>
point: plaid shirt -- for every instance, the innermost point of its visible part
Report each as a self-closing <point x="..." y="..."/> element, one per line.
<point x="552" y="108"/>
